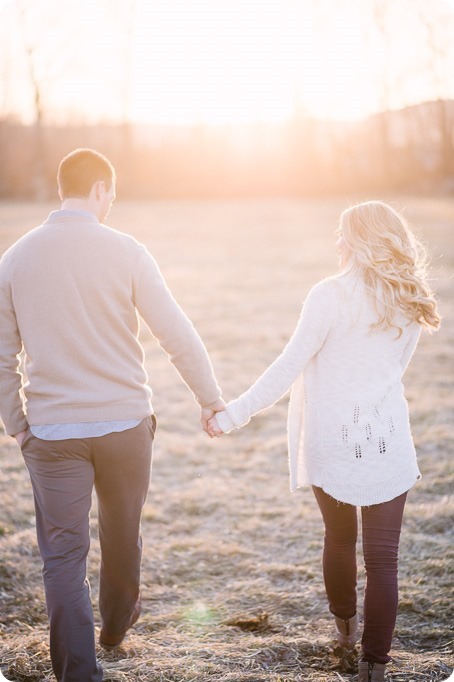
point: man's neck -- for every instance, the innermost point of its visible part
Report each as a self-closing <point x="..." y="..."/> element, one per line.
<point x="76" y="204"/>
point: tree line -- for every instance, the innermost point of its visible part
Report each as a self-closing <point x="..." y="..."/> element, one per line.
<point x="408" y="149"/>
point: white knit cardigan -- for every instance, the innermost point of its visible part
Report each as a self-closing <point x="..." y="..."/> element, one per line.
<point x="346" y="382"/>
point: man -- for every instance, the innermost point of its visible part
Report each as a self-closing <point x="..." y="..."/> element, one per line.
<point x="70" y="294"/>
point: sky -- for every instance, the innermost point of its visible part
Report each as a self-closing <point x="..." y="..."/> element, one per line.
<point x="221" y="61"/>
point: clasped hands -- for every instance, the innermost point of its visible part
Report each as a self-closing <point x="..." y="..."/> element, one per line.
<point x="209" y="421"/>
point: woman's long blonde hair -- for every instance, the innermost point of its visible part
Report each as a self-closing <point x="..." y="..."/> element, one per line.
<point x="392" y="261"/>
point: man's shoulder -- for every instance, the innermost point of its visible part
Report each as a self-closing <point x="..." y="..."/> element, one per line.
<point x="50" y="236"/>
<point x="22" y="243"/>
<point x="121" y="237"/>
<point x="125" y="248"/>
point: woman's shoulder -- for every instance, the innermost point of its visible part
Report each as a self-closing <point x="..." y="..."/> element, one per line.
<point x="330" y="287"/>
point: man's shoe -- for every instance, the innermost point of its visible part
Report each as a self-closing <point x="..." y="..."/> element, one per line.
<point x="110" y="641"/>
<point x="347" y="631"/>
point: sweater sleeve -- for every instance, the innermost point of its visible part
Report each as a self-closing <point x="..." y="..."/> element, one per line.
<point x="174" y="331"/>
<point x="316" y="320"/>
<point x="11" y="406"/>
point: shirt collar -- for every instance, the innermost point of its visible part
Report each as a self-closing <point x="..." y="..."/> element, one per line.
<point x="65" y="213"/>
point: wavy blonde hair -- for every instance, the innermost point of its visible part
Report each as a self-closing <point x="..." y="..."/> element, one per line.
<point x="393" y="263"/>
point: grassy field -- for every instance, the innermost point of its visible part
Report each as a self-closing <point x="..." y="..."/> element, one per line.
<point x="232" y="584"/>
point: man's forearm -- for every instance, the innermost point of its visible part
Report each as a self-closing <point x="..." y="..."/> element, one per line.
<point x="194" y="366"/>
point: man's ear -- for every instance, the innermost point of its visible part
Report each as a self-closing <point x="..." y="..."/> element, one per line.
<point x="97" y="190"/>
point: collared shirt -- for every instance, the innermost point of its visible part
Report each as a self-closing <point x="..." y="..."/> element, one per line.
<point x="82" y="430"/>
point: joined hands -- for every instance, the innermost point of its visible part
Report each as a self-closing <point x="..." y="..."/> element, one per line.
<point x="213" y="428"/>
<point x="209" y="421"/>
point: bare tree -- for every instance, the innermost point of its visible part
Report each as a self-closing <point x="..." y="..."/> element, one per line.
<point x="438" y="23"/>
<point x="126" y="91"/>
<point x="38" y="174"/>
<point x="47" y="48"/>
<point x="122" y="18"/>
<point x="381" y="24"/>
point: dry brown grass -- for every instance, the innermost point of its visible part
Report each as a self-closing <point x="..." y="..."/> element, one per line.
<point x="232" y="586"/>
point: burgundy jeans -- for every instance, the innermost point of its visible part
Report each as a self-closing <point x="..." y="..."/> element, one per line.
<point x="381" y="524"/>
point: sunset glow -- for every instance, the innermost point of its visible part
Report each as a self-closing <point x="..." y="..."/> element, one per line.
<point x="222" y="62"/>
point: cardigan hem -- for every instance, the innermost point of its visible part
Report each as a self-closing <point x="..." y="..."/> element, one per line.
<point x="361" y="495"/>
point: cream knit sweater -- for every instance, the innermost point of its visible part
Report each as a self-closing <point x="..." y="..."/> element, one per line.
<point x="348" y="423"/>
<point x="71" y="291"/>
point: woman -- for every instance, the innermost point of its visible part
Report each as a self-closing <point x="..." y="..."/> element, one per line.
<point x="345" y="362"/>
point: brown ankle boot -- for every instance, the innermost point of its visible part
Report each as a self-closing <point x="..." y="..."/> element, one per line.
<point x="347" y="631"/>
<point x="371" y="672"/>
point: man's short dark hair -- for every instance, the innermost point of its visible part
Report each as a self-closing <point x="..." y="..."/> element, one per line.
<point x="79" y="171"/>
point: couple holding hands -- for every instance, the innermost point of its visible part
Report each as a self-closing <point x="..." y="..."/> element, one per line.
<point x="71" y="291"/>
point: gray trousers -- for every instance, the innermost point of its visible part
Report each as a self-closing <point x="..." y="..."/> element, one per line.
<point x="62" y="474"/>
